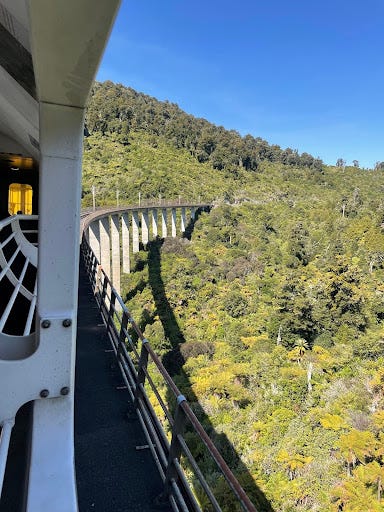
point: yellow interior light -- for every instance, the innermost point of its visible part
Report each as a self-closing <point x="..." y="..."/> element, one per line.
<point x="20" y="199"/>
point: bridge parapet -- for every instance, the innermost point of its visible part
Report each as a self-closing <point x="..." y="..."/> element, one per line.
<point x="18" y="262"/>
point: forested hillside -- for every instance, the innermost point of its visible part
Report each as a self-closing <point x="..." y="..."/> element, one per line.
<point x="120" y="110"/>
<point x="270" y="315"/>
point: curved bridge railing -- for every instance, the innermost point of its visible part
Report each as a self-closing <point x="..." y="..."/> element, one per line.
<point x="140" y="368"/>
<point x="18" y="289"/>
<point x="18" y="264"/>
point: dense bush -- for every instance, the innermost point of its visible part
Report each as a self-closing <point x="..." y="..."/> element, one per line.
<point x="271" y="317"/>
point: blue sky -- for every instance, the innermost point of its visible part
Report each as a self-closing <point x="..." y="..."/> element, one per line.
<point x="305" y="74"/>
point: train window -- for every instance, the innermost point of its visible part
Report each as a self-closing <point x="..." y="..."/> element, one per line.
<point x="20" y="199"/>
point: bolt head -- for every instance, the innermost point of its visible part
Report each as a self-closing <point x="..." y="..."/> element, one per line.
<point x="44" y="393"/>
<point x="64" y="391"/>
<point x="45" y="324"/>
<point x="67" y="322"/>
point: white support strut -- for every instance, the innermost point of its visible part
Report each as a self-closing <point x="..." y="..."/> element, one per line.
<point x="52" y="455"/>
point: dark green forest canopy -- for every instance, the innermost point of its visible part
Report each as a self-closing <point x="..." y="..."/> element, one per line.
<point x="275" y="304"/>
<point x="114" y="108"/>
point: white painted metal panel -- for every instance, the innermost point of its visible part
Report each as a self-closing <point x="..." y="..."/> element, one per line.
<point x="67" y="40"/>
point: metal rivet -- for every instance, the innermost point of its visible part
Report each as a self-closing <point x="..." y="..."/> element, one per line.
<point x="45" y="324"/>
<point x="64" y="391"/>
<point x="44" y="393"/>
<point x="67" y="322"/>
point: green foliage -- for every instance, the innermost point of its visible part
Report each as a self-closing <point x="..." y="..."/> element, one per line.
<point x="271" y="317"/>
<point x="119" y="110"/>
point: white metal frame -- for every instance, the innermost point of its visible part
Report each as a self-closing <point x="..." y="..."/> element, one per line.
<point x="66" y="43"/>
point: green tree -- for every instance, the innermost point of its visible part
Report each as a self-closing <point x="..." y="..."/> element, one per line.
<point x="355" y="447"/>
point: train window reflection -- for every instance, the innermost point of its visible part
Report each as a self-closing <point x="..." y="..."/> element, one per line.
<point x="20" y="199"/>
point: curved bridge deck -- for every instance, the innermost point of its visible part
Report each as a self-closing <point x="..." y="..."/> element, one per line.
<point x="114" y="472"/>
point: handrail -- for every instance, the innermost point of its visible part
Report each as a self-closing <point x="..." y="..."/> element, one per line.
<point x="135" y="368"/>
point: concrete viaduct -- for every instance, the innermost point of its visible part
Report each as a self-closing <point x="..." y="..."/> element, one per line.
<point x="115" y="233"/>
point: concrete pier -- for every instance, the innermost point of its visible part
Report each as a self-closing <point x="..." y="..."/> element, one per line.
<point x="94" y="238"/>
<point x="173" y="219"/>
<point x="125" y="240"/>
<point x="144" y="228"/>
<point x="154" y="224"/>
<point x="105" y="245"/>
<point x="182" y="220"/>
<point x="164" y="230"/>
<point x="135" y="231"/>
<point x="115" y="240"/>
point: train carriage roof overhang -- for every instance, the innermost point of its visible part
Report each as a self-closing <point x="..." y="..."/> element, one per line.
<point x="49" y="52"/>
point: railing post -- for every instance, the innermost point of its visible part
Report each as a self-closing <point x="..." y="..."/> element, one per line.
<point x="89" y="258"/>
<point x="98" y="281"/>
<point x="111" y="309"/>
<point x="175" y="449"/>
<point x="123" y="328"/>
<point x="121" y="343"/>
<point x="93" y="269"/>
<point x="143" y="364"/>
<point x="103" y="307"/>
<point x="84" y="252"/>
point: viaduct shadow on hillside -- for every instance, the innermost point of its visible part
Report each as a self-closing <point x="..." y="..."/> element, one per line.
<point x="173" y="360"/>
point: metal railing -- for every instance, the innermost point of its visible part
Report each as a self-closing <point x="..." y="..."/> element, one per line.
<point x="174" y="460"/>
<point x="17" y="256"/>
